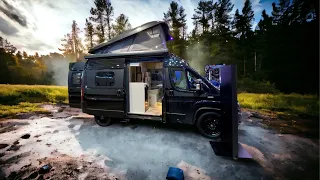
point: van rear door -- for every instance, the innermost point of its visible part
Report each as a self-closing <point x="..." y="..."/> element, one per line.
<point x="104" y="93"/>
<point x="74" y="83"/>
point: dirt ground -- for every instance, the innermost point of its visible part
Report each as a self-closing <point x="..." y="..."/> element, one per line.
<point x="69" y="145"/>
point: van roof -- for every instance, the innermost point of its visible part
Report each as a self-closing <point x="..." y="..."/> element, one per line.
<point x="133" y="31"/>
<point x="130" y="54"/>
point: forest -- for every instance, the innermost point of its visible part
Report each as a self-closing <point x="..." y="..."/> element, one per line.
<point x="280" y="54"/>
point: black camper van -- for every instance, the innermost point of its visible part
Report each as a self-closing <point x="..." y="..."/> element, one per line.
<point x="134" y="76"/>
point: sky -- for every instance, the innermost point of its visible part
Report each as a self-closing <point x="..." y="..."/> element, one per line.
<point x="39" y="25"/>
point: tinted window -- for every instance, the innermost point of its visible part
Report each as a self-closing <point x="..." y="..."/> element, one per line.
<point x="104" y="79"/>
<point x="186" y="80"/>
<point x="178" y="79"/>
<point x="76" y="77"/>
<point x="97" y="64"/>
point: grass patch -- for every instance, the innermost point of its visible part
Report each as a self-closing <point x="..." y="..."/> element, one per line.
<point x="282" y="105"/>
<point x="14" y="94"/>
<point x="290" y="113"/>
<point x="15" y="99"/>
<point x="22" y="107"/>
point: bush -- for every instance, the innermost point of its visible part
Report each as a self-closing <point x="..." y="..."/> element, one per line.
<point x="251" y="86"/>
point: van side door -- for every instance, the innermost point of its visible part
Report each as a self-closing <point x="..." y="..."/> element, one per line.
<point x="104" y="92"/>
<point x="181" y="95"/>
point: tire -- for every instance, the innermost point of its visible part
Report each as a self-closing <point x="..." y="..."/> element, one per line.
<point x="208" y="125"/>
<point x="103" y="121"/>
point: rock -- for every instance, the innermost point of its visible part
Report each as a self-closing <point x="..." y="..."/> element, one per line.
<point x="3" y="146"/>
<point x="14" y="148"/>
<point x="16" y="142"/>
<point x="26" y="166"/>
<point x="26" y="136"/>
<point x="44" y="169"/>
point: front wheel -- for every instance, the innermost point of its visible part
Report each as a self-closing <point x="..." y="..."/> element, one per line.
<point x="208" y="125"/>
<point x="103" y="121"/>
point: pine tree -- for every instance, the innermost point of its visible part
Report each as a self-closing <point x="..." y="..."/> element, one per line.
<point x="98" y="16"/>
<point x="25" y="55"/>
<point x="171" y="18"/>
<point x="67" y="45"/>
<point x="102" y="15"/>
<point x="203" y="14"/>
<point x="71" y="43"/>
<point x="265" y="22"/>
<point x="109" y="15"/>
<point x="222" y="17"/>
<point x="89" y="34"/>
<point x="9" y="48"/>
<point x="121" y="24"/>
<point x="183" y="23"/>
<point x="237" y="24"/>
<point x="247" y="15"/>
<point x="175" y="17"/>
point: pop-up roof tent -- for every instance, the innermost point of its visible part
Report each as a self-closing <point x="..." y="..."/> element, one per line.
<point x="147" y="37"/>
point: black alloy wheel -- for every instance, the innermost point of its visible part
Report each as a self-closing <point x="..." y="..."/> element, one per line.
<point x="103" y="121"/>
<point x="208" y="125"/>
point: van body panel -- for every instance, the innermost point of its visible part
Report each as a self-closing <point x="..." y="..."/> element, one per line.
<point x="103" y="87"/>
<point x="74" y="83"/>
<point x="182" y="103"/>
<point x="178" y="105"/>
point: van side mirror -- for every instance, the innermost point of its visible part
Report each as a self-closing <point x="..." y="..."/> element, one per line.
<point x="199" y="87"/>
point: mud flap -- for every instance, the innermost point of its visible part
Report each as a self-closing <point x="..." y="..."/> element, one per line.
<point x="229" y="145"/>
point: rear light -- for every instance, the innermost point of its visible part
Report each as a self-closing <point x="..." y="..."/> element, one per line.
<point x="82" y="86"/>
<point x="82" y="93"/>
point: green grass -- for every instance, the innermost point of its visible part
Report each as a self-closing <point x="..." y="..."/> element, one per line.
<point x="15" y="99"/>
<point x="23" y="107"/>
<point x="14" y="94"/>
<point x="281" y="104"/>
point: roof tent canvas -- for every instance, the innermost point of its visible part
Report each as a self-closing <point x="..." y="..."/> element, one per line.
<point x="147" y="37"/>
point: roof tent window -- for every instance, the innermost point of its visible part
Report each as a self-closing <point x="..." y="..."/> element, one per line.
<point x="121" y="46"/>
<point x="149" y="39"/>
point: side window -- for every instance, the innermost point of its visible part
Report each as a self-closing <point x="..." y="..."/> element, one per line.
<point x="178" y="79"/>
<point x="105" y="79"/>
<point x="76" y="78"/>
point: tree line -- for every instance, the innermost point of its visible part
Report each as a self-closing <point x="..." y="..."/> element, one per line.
<point x="283" y="48"/>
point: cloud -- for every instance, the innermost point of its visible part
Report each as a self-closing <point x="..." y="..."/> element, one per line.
<point x="39" y="25"/>
<point x="11" y="12"/>
<point x="6" y="28"/>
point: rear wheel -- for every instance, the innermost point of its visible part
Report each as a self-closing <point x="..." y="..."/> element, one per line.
<point x="103" y="121"/>
<point x="208" y="125"/>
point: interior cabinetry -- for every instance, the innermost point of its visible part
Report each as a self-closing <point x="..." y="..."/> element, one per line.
<point x="145" y="85"/>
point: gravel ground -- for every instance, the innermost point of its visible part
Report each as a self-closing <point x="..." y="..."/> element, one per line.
<point x="76" y="148"/>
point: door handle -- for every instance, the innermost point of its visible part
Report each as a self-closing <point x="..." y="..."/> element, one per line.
<point x="170" y="92"/>
<point x="119" y="92"/>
